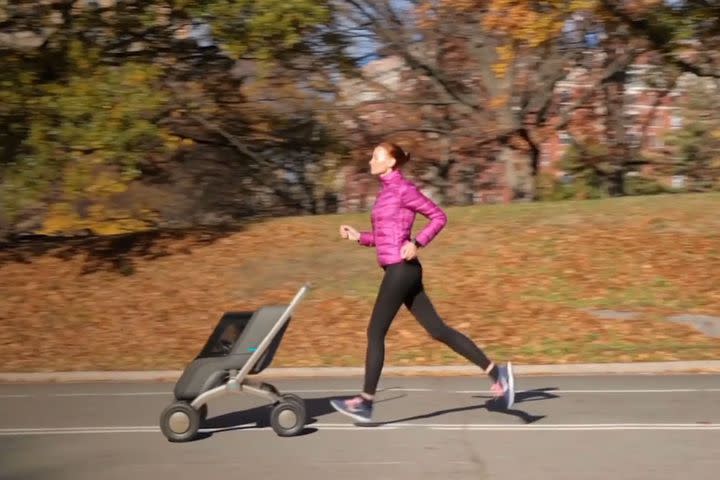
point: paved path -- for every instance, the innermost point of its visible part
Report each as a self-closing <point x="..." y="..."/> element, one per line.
<point x="596" y="427"/>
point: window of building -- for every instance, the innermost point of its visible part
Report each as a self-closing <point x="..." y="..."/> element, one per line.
<point x="676" y="121"/>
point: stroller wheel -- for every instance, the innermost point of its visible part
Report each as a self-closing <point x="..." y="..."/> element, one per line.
<point x="287" y="418"/>
<point x="292" y="398"/>
<point x="179" y="422"/>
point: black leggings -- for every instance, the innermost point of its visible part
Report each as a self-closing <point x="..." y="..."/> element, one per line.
<point x="402" y="284"/>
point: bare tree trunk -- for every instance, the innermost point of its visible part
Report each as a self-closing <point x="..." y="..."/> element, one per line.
<point x="619" y="150"/>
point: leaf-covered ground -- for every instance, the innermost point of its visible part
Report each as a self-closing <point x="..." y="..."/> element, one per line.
<point x="518" y="279"/>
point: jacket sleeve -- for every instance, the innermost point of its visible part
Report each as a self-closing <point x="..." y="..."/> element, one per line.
<point x="367" y="239"/>
<point x="416" y="201"/>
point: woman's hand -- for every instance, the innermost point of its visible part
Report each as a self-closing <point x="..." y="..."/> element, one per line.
<point x="346" y="231"/>
<point x="408" y="251"/>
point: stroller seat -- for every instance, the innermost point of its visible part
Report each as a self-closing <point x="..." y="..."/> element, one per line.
<point x="233" y="341"/>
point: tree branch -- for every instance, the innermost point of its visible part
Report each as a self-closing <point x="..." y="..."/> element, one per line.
<point x="644" y="28"/>
<point x="619" y="65"/>
<point x="399" y="45"/>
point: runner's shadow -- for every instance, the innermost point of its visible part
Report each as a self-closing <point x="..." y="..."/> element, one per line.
<point x="259" y="417"/>
<point x="495" y="405"/>
<point x="491" y="405"/>
<point x="533" y="395"/>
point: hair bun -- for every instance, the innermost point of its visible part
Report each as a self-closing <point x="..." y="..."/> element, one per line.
<point x="395" y="151"/>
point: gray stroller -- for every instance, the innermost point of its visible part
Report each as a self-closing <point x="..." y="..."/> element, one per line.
<point x="242" y="344"/>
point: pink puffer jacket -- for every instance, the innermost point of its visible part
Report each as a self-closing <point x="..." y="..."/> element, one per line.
<point x="393" y="216"/>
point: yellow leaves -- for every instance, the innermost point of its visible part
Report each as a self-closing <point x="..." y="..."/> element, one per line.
<point x="505" y="55"/>
<point x="76" y="176"/>
<point x="106" y="221"/>
<point x="499" y="101"/>
<point x="174" y="142"/>
<point x="504" y="16"/>
<point x="171" y="141"/>
<point x="62" y="218"/>
<point x="138" y="77"/>
<point x="577" y="5"/>
<point x="82" y="56"/>
<point x="117" y="113"/>
<point x="88" y="182"/>
<point x="520" y="22"/>
<point x="516" y="22"/>
<point x="107" y="184"/>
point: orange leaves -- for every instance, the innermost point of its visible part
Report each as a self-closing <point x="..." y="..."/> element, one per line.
<point x="521" y="23"/>
<point x="425" y="15"/>
<point x="516" y="19"/>
<point x="517" y="23"/>
<point x="462" y="5"/>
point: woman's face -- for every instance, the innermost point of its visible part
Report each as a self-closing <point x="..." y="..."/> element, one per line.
<point x="381" y="161"/>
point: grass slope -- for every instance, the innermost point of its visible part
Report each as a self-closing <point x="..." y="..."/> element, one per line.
<point x="518" y="279"/>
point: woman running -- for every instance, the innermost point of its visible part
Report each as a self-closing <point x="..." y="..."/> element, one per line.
<point x="392" y="219"/>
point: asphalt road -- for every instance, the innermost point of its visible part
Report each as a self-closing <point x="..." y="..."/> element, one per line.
<point x="595" y="427"/>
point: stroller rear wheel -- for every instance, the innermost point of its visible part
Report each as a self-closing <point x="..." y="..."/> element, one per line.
<point x="291" y="397"/>
<point x="179" y="422"/>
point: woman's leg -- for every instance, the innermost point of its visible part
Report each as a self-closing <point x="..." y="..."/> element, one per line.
<point x="422" y="308"/>
<point x="424" y="311"/>
<point x="399" y="280"/>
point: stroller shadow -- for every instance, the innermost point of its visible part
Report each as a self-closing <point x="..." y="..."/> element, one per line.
<point x="259" y="417"/>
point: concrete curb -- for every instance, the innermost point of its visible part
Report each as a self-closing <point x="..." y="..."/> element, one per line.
<point x="638" y="368"/>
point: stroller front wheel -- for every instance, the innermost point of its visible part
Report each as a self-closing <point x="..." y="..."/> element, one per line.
<point x="180" y="422"/>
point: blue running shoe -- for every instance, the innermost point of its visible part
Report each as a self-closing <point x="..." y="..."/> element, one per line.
<point x="507" y="382"/>
<point x="356" y="408"/>
<point x="505" y="385"/>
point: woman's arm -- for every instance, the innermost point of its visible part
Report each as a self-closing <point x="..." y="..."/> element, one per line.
<point x="367" y="239"/>
<point x="416" y="201"/>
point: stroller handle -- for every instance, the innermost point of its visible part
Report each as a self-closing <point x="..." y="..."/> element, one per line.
<point x="250" y="364"/>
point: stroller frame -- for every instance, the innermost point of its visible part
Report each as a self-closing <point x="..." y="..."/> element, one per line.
<point x="181" y="420"/>
<point x="238" y="381"/>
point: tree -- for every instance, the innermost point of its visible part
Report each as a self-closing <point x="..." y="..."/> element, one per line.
<point x="494" y="66"/>
<point x="676" y="38"/>
<point x="695" y="146"/>
<point x="95" y="93"/>
<point x="685" y="32"/>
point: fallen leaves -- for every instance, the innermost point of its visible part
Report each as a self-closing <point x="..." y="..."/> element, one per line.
<point x="514" y="279"/>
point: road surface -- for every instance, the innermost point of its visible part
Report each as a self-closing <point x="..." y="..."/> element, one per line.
<point x="594" y="427"/>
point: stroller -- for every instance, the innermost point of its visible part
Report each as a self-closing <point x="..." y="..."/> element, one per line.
<point x="242" y="344"/>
